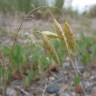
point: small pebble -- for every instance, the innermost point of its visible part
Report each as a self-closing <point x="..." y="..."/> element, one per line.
<point x="81" y="68"/>
<point x="66" y="65"/>
<point x="11" y="92"/>
<point x="51" y="78"/>
<point x="53" y="89"/>
<point x="86" y="75"/>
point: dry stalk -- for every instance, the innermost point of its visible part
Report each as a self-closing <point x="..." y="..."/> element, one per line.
<point x="70" y="43"/>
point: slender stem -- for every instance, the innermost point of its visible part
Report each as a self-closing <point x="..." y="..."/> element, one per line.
<point x="77" y="72"/>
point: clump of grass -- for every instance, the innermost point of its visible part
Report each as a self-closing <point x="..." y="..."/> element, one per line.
<point x="70" y="44"/>
<point x="16" y="59"/>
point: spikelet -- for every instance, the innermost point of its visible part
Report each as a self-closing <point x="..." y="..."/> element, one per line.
<point x="51" y="50"/>
<point x="62" y="34"/>
<point x="51" y="35"/>
<point x="67" y="35"/>
<point x="70" y="38"/>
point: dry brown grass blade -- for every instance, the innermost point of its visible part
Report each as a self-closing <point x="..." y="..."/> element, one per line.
<point x="51" y="50"/>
